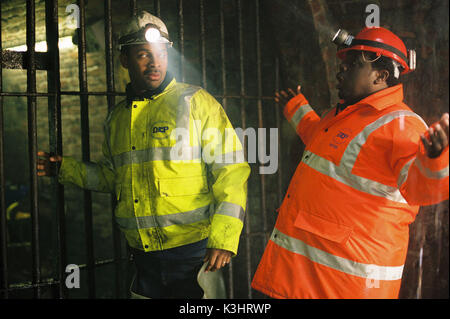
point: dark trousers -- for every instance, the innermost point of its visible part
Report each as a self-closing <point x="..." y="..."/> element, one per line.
<point x="170" y="273"/>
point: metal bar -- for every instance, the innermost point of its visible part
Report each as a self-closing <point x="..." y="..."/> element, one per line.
<point x="224" y="104"/>
<point x="181" y="38"/>
<point x="51" y="281"/>
<point x="245" y="97"/>
<point x="109" y="54"/>
<point x="3" y="223"/>
<point x="203" y="43"/>
<point x="260" y="111"/>
<point x="18" y="60"/>
<point x="94" y="93"/>
<point x="84" y="114"/>
<point x="157" y="7"/>
<point x="278" y="124"/>
<point x="32" y="144"/>
<point x="51" y="94"/>
<point x="29" y="285"/>
<point x="55" y="135"/>
<point x="42" y="94"/>
<point x="223" y="56"/>
<point x="104" y="262"/>
<point x="244" y="124"/>
<point x="133" y="7"/>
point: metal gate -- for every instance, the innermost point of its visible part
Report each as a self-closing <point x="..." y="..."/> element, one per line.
<point x="246" y="74"/>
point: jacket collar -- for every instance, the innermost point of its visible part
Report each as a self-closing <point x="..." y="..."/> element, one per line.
<point x="379" y="100"/>
<point x="384" y="98"/>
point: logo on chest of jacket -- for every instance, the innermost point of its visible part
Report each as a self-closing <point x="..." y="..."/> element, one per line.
<point x="161" y="130"/>
<point x="341" y="137"/>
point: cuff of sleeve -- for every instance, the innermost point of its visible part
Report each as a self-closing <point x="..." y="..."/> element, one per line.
<point x="433" y="164"/>
<point x="225" y="232"/>
<point x="64" y="175"/>
<point x="293" y="105"/>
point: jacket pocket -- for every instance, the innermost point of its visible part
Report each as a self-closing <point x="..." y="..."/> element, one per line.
<point x="321" y="227"/>
<point x="183" y="186"/>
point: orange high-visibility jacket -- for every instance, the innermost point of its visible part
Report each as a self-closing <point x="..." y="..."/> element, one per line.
<point x="343" y="227"/>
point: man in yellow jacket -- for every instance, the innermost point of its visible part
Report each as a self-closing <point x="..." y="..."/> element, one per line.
<point x="176" y="165"/>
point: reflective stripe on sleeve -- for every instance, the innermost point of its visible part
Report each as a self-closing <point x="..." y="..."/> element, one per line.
<point x="443" y="173"/>
<point x="343" y="171"/>
<point x="230" y="209"/>
<point x="184" y="218"/>
<point x="368" y="271"/>
<point x="299" y="114"/>
<point x="402" y="177"/>
<point x="354" y="147"/>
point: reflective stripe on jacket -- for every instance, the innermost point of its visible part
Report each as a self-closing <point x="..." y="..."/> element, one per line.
<point x="172" y="188"/>
<point x="342" y="229"/>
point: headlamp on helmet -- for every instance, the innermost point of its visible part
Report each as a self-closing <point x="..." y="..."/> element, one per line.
<point x="152" y="35"/>
<point x="342" y="37"/>
<point x="143" y="28"/>
<point x="149" y="34"/>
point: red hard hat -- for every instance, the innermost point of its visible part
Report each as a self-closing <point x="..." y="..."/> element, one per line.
<point x="381" y="41"/>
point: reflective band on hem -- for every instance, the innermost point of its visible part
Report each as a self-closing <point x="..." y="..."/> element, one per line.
<point x="142" y="222"/>
<point x="344" y="176"/>
<point x="92" y="179"/>
<point x="157" y="154"/>
<point x="299" y="114"/>
<point x="368" y="271"/>
<point x="443" y="173"/>
<point x="230" y="209"/>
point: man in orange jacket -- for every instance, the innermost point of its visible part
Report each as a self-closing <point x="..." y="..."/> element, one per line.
<point x="342" y="229"/>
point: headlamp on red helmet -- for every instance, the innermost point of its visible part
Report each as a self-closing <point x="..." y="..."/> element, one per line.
<point x="380" y="41"/>
<point x="342" y="37"/>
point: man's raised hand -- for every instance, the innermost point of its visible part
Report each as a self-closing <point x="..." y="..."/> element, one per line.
<point x="438" y="138"/>
<point x="283" y="97"/>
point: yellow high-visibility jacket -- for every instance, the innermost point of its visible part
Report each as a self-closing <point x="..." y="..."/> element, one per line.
<point x="172" y="188"/>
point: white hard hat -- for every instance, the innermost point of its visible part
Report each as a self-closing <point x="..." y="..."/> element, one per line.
<point x="144" y="28"/>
